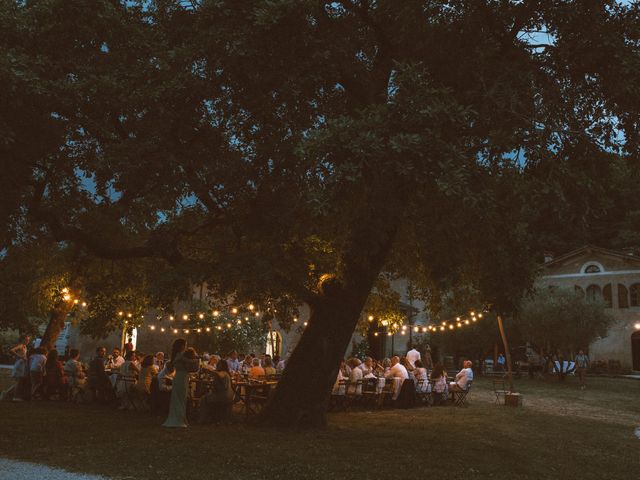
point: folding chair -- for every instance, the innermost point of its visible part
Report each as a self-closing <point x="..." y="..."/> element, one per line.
<point x="338" y="399"/>
<point x="422" y="391"/>
<point x="459" y="397"/>
<point x="499" y="390"/>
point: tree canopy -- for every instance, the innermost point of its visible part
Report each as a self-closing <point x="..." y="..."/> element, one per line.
<point x="293" y="150"/>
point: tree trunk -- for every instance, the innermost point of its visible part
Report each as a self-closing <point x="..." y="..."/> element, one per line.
<point x="57" y="317"/>
<point x="302" y="396"/>
<point x="507" y="353"/>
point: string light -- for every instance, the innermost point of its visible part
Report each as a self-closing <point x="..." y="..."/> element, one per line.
<point x="234" y="310"/>
<point x="152" y="327"/>
<point x="129" y="315"/>
<point x="76" y="301"/>
<point x="370" y="318"/>
<point x="207" y="329"/>
<point x="216" y="313"/>
<point x="121" y="313"/>
<point x="186" y="330"/>
<point x="171" y="317"/>
<point x="84" y="304"/>
<point x="185" y="317"/>
<point x="175" y="330"/>
<point x="201" y="316"/>
<point x="251" y="307"/>
<point x="162" y="329"/>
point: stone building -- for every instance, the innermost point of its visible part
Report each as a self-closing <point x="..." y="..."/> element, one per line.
<point x="614" y="277"/>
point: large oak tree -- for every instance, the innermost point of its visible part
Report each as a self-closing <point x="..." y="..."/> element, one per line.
<point x="292" y="150"/>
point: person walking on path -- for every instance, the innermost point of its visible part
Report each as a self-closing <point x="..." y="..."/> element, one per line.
<point x="184" y="363"/>
<point x="582" y="364"/>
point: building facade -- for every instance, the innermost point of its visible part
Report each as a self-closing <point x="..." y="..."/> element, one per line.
<point x="614" y="277"/>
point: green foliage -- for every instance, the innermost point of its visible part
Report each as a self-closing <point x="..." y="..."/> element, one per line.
<point x="256" y="146"/>
<point x="562" y="319"/>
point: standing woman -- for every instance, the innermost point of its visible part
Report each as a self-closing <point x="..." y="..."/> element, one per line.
<point x="183" y="365"/>
<point x="20" y="373"/>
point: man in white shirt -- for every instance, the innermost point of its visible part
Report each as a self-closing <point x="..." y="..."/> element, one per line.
<point x="463" y="378"/>
<point x="412" y="356"/>
<point x="397" y="370"/>
<point x="116" y="359"/>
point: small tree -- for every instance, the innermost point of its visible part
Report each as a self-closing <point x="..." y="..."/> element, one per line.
<point x="562" y="319"/>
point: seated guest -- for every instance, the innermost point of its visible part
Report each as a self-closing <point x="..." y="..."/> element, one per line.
<point x="158" y="360"/>
<point x="74" y="371"/>
<point x="463" y="377"/>
<point x="397" y="370"/>
<point x="55" y="381"/>
<point x="268" y="366"/>
<point x="116" y="360"/>
<point x="211" y="364"/>
<point x="247" y="364"/>
<point x="130" y="367"/>
<point x="216" y="405"/>
<point x="256" y="370"/>
<point x="386" y="366"/>
<point x="129" y="372"/>
<point x="440" y="386"/>
<point x="367" y="366"/>
<point x="148" y="370"/>
<point x="280" y="364"/>
<point x="420" y="373"/>
<point x="37" y="362"/>
<point x="338" y="388"/>
<point x="165" y="377"/>
<point x="97" y="378"/>
<point x="232" y="361"/>
<point x="355" y="375"/>
<point x="345" y="369"/>
<point x="405" y="363"/>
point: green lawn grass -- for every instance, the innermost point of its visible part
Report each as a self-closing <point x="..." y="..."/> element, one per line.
<point x="537" y="441"/>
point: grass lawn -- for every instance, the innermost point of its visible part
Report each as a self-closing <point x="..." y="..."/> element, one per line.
<point x="561" y="432"/>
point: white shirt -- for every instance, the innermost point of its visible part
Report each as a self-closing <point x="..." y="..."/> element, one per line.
<point x="355" y="375"/>
<point x="398" y="371"/>
<point x="463" y="377"/>
<point x="234" y="365"/>
<point x="412" y="356"/>
<point x="36" y="363"/>
<point x="117" y="361"/>
<point x="365" y="370"/>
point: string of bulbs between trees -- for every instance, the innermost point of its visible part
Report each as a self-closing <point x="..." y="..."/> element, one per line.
<point x="219" y="322"/>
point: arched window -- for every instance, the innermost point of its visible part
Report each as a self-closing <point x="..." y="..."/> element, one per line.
<point x="623" y="296"/>
<point x="592" y="269"/>
<point x="607" y="295"/>
<point x="635" y="294"/>
<point x="579" y="291"/>
<point x="593" y="293"/>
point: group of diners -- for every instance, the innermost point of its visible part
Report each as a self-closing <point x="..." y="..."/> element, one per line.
<point x="400" y="373"/>
<point x="135" y="381"/>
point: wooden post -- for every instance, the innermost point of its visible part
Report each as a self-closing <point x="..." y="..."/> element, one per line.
<point x="507" y="353"/>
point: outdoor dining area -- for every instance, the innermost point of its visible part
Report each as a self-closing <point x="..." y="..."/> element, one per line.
<point x="212" y="389"/>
